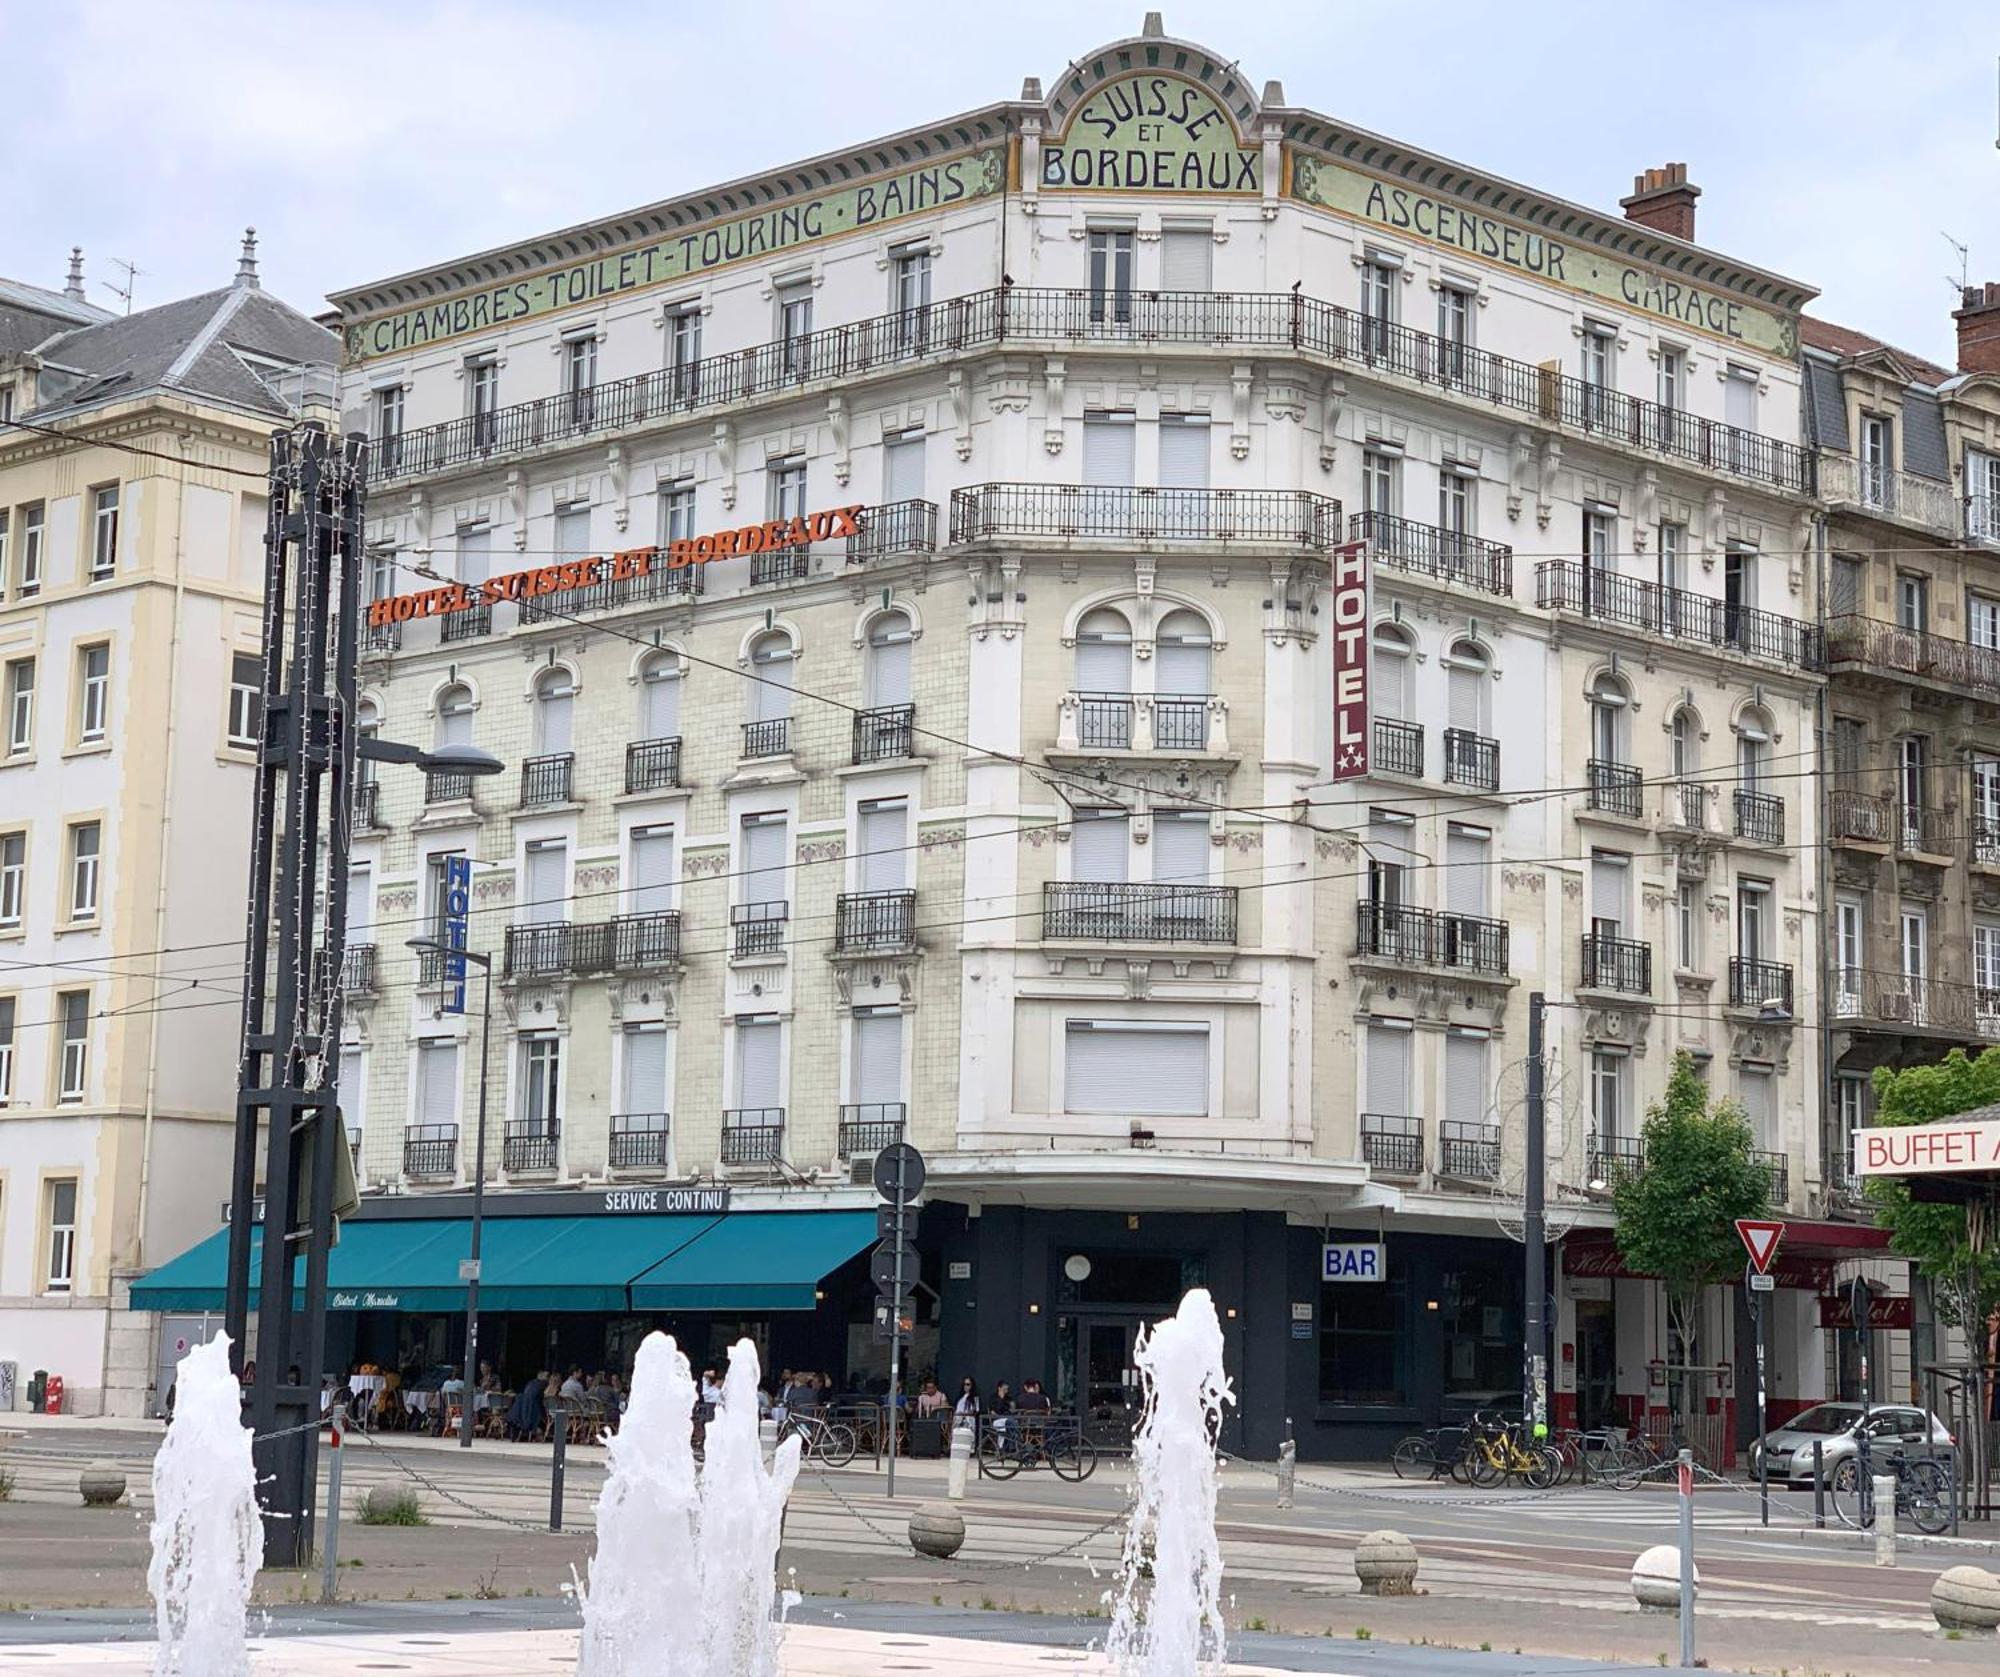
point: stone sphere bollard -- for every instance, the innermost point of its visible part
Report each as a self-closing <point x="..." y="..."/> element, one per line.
<point x="1386" y="1564"/>
<point x="1966" y="1598"/>
<point x="102" y="1484"/>
<point x="938" y="1530"/>
<point x="1656" y="1579"/>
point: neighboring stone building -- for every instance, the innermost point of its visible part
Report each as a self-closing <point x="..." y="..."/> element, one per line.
<point x="132" y="513"/>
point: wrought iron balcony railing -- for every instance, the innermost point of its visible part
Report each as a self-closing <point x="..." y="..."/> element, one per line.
<point x="652" y="765"/>
<point x="1434" y="551"/>
<point x="892" y="528"/>
<point x="529" y="1147"/>
<point x="1926" y="502"/>
<point x="870" y="1127"/>
<point x="1612" y="1159"/>
<point x="1982" y="518"/>
<point x="1267" y="517"/>
<point x="557" y="949"/>
<point x="1760" y="816"/>
<point x="874" y="922"/>
<point x="1925" y="831"/>
<point x="885" y="734"/>
<point x="1467" y="1150"/>
<point x="1422" y="937"/>
<point x="466" y="625"/>
<point x="1104" y="721"/>
<point x="1983" y="842"/>
<point x="1399" y="747"/>
<point x="788" y="564"/>
<point x="759" y="928"/>
<point x="357" y="970"/>
<point x="1865" y="817"/>
<point x="1777" y="1169"/>
<point x="364" y="816"/>
<point x="1677" y="614"/>
<point x="1754" y="983"/>
<point x="430" y="1150"/>
<point x="1085" y="912"/>
<point x="1902" y="1002"/>
<point x="660" y="582"/>
<point x="753" y="1135"/>
<point x="1685" y="805"/>
<point x="380" y="637"/>
<point x="1471" y="760"/>
<point x="641" y="1140"/>
<point x="771" y="737"/>
<point x="1180" y="721"/>
<point x="1393" y="1143"/>
<point x="646" y="942"/>
<point x="1915" y="653"/>
<point x="444" y="786"/>
<point x="1615" y="788"/>
<point x="546" y="779"/>
<point x="1616" y="963"/>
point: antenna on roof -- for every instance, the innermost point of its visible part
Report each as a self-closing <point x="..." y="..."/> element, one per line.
<point x="132" y="271"/>
<point x="1964" y="265"/>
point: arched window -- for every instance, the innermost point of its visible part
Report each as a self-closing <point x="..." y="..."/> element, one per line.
<point x="454" y="715"/>
<point x="1683" y="745"/>
<point x="770" y="696"/>
<point x="555" y="702"/>
<point x="1390" y="697"/>
<point x="1183" y="679"/>
<point x="660" y="697"/>
<point x="1753" y="751"/>
<point x="886" y="680"/>
<point x="1610" y="710"/>
<point x="1465" y="691"/>
<point x="1104" y="680"/>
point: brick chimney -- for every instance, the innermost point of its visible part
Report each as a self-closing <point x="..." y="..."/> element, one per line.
<point x="1663" y="199"/>
<point x="1979" y="329"/>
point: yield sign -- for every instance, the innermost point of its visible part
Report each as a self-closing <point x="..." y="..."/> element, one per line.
<point x="1760" y="1239"/>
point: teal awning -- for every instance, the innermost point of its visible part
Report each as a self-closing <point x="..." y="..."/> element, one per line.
<point x="759" y="1260"/>
<point x="748" y="1260"/>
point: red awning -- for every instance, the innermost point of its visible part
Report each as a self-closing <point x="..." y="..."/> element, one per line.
<point x="1806" y="1255"/>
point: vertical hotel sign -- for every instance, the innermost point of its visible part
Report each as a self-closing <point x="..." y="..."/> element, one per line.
<point x="457" y="901"/>
<point x="1350" y="661"/>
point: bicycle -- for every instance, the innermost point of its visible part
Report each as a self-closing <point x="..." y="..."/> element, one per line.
<point x="829" y="1442"/>
<point x="1433" y="1454"/>
<point x="1007" y="1446"/>
<point x="1498" y="1453"/>
<point x="1923" y="1492"/>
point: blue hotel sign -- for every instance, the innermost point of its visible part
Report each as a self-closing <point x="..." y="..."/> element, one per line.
<point x="457" y="901"/>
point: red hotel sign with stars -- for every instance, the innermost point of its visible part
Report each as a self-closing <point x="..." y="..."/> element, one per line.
<point x="1349" y="605"/>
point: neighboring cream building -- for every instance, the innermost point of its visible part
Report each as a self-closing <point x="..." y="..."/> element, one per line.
<point x="130" y="585"/>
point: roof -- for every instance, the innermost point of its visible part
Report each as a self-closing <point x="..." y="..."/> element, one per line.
<point x="1847" y="343"/>
<point x="31" y="314"/>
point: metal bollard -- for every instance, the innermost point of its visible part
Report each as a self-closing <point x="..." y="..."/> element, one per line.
<point x="559" y="1436"/>
<point x="334" y="1455"/>
<point x="1885" y="1520"/>
<point x="1288" y="1466"/>
<point x="1819" y="1485"/>
<point x="1685" y="1479"/>
<point x="961" y="1459"/>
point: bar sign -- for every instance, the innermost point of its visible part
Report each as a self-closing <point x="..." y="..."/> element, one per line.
<point x="1350" y="609"/>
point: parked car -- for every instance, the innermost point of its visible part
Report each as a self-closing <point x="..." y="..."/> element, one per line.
<point x="1837" y="1428"/>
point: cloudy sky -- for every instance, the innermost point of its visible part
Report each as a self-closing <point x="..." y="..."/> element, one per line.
<point x="1836" y="142"/>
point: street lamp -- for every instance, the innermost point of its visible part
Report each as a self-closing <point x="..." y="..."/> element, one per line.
<point x="469" y="1373"/>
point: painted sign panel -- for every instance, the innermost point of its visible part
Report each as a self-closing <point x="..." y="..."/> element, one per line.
<point x="1152" y="133"/>
<point x="1925" y="1149"/>
<point x="1349" y="603"/>
<point x="457" y="904"/>
<point x="1893" y="1313"/>
<point x="1353" y="1261"/>
<point x="658" y="1201"/>
<point x="682" y="256"/>
<point x="1411" y="213"/>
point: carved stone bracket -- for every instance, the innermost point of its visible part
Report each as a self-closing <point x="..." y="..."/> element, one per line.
<point x="837" y="422"/>
<point x="1054" y="376"/>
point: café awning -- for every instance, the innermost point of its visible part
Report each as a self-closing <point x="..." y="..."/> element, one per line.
<point x="764" y="1260"/>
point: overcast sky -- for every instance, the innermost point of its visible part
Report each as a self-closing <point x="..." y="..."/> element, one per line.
<point x="1835" y="142"/>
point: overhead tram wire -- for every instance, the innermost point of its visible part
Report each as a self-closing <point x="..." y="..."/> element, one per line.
<point x="75" y="441"/>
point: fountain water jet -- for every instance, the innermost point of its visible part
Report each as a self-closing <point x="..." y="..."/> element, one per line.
<point x="742" y="1509"/>
<point x="206" y="1534"/>
<point x="1167" y="1616"/>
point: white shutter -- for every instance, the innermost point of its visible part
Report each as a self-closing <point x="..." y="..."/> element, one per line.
<point x="437" y="1082"/>
<point x="1389" y="1070"/>
<point x="1465" y="852"/>
<point x="771" y="693"/>
<point x="763" y="862"/>
<point x="1183" y="452"/>
<point x="1465" y="695"/>
<point x="889" y="662"/>
<point x="660" y="702"/>
<point x="1098" y="848"/>
<point x="1103" y="665"/>
<point x="903" y="468"/>
<point x="757" y="1066"/>
<point x="1739" y="400"/>
<point x="475" y="555"/>
<point x="652" y="883"/>
<point x="1607" y="889"/>
<point x="1465" y="1078"/>
<point x="573" y="534"/>
<point x="1390" y="668"/>
<point x="555" y="711"/>
<point x="1181" y="664"/>
<point x="546" y="889"/>
<point x="1756" y="1088"/>
<point x="361" y="904"/>
<point x="1180" y="849"/>
<point x="878" y="1056"/>
<point x="1120" y="1069"/>
<point x="1185" y="254"/>
<point x="353" y="1093"/>
<point x="455" y="720"/>
<point x="885" y="837"/>
<point x="1108" y="450"/>
<point x="645" y="1069"/>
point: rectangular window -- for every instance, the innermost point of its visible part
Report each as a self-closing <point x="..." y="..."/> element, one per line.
<point x="1687" y="928"/>
<point x="684" y="350"/>
<point x="482" y="398"/>
<point x="1183" y="455"/>
<point x="1849" y="575"/>
<point x="1132" y="1068"/>
<point x="1468" y="1079"/>
<point x="1913" y="601"/>
<point x="1673" y="379"/>
<point x="1457" y="497"/>
<point x="580" y="363"/>
<point x="1099" y="847"/>
<point x="1877" y="459"/>
<point x="795" y="324"/>
<point x="1457" y="306"/>
<point x="1847" y="945"/>
<point x="6" y="529"/>
<point x="1110" y="276"/>
<point x="1378" y="301"/>
<point x="1364" y="1341"/>
<point x="545" y="882"/>
<point x="650" y="889"/>
<point x="1986" y="962"/>
<point x="103" y="532"/>
<point x="1673" y="562"/>
<point x="1982" y="496"/>
<point x="644" y="1074"/>
<point x="13" y="877"/>
<point x="762" y="858"/>
<point x="1757" y="1089"/>
<point x="1607" y="1093"/>
<point x="1108" y="452"/>
<point x="1379" y="473"/>
<point x="20" y="707"/>
<point x="1600" y="345"/>
<point x="1850" y="744"/>
<point x="1913" y="773"/>
<point x="759" y="1062"/>
<point x="1610" y="876"/>
<point x="1468" y="867"/>
<point x="875" y="1076"/>
<point x="33" y="534"/>
<point x="903" y="467"/>
<point x="246" y="698"/>
<point x="93" y="693"/>
<point x="1850" y="1106"/>
<point x="910" y="268"/>
<point x="1739" y="401"/>
<point x="788" y="489"/>
<point x="1186" y="254"/>
<point x="1982" y="621"/>
<point x="572" y="532"/>
<point x="676" y="512"/>
<point x="59" y="1274"/>
<point x="1180" y="849"/>
<point x="352" y="1094"/>
<point x="73" y="1065"/>
<point x="541" y="1080"/>
<point x="437" y="1081"/>
<point x="389" y="417"/>
<point x="1753" y="915"/>
<point x="7" y="1009"/>
<point x="882" y="842"/>
<point x="85" y="838"/>
<point x="1387" y="1087"/>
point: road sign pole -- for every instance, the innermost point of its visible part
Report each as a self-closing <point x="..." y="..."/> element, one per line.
<point x="1763" y="1426"/>
<point x="896" y="1325"/>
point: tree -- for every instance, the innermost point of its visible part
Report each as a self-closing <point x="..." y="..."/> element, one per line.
<point x="1677" y="1213"/>
<point x="1945" y="1242"/>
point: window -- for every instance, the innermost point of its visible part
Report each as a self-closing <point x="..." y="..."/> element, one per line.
<point x="454" y="715"/>
<point x="7" y="1006"/>
<point x="1982" y="621"/>
<point x="1180" y="847"/>
<point x="1390" y="675"/>
<point x="1985" y="807"/>
<point x="13" y="877"/>
<point x="1913" y="763"/>
<point x="246" y="698"/>
<point x="762" y="856"/>
<point x="1982" y="496"/>
<point x="795" y="324"/>
<point x="482" y="398"/>
<point x="1456" y="306"/>
<point x="1850" y="1105"/>
<point x="572" y="532"/>
<point x="677" y="506"/>
<point x="1687" y="928"/>
<point x="7" y="400"/>
<point x="1600" y="545"/>
<point x="1378" y="301"/>
<point x="6" y="526"/>
<point x="1915" y="938"/>
<point x="903" y="466"/>
<point x="684" y="350"/>
<point x="1756" y="1089"/>
<point x="33" y="532"/>
<point x="1099" y="847"/>
<point x="93" y="693"/>
<point x="1610" y="893"/>
<point x="1877" y="460"/>
<point x="352" y="1095"/>
<point x="555" y="709"/>
<point x="910" y="285"/>
<point x="1386" y="1090"/>
<point x="437" y="1082"/>
<point x="1468" y="868"/>
<point x="580" y="374"/>
<point x="1673" y="559"/>
<point x="475" y="565"/>
<point x="660" y="697"/>
<point x="882" y="844"/>
<point x="1739" y="593"/>
<point x="1388" y="850"/>
<point x="1379" y="473"/>
<point x="73" y="1062"/>
<point x="1458" y="495"/>
<point x="1185" y="258"/>
<point x="1104" y="679"/>
<point x="103" y="532"/>
<point x="1600" y="345"/>
<point x="875" y="1072"/>
<point x="1739" y="409"/>
<point x="1468" y="1079"/>
<point x="1466" y="682"/>
<point x="389" y="419"/>
<point x="20" y="706"/>
<point x="85" y="839"/>
<point x="1108" y="451"/>
<point x="770" y="695"/>
<point x="1608" y="707"/>
<point x="544" y="895"/>
<point x="886" y="678"/>
<point x="1673" y="378"/>
<point x="1183" y="456"/>
<point x="1135" y="1068"/>
<point x="1986" y="963"/>
<point x="1364" y="1341"/>
<point x="759" y="1062"/>
<point x="434" y="890"/>
<point x="1607" y="1093"/>
<point x="1913" y="601"/>
<point x="1110" y="276"/>
<point x="788" y="488"/>
<point x="1850" y="745"/>
<point x="541" y="1080"/>
<point x="643" y="1076"/>
<point x="59" y="1276"/>
<point x="1849" y="575"/>
<point x="1683" y="744"/>
<point x="1753" y="751"/>
<point x="1183" y="653"/>
<point x="650" y="883"/>
<point x="1847" y="945"/>
<point x="1753" y="916"/>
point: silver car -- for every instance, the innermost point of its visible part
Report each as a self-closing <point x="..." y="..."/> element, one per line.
<point x="1836" y="1428"/>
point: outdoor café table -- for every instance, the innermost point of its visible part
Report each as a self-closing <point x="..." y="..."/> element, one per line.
<point x="367" y="1390"/>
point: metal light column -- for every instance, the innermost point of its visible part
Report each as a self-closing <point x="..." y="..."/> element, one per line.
<point x="1534" y="1279"/>
<point x="470" y="1373"/>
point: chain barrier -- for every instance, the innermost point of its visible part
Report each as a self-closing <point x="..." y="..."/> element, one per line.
<point x="538" y="1527"/>
<point x="1413" y="1498"/>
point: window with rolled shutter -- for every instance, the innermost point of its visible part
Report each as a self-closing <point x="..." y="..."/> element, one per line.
<point x="1389" y="1069"/>
<point x="652" y="883"/>
<point x="1182" y="655"/>
<point x="878" y="1056"/>
<point x="757" y="1061"/>
<point x="660" y="699"/>
<point x="547" y="885"/>
<point x="1132" y="1069"/>
<point x="1104" y="654"/>
<point x="353" y="1093"/>
<point x="475" y="554"/>
<point x="885" y="838"/>
<point x="1098" y="847"/>
<point x="763" y="859"/>
<point x="770" y="695"/>
<point x="1183" y="451"/>
<point x="903" y="467"/>
<point x="889" y="660"/>
<point x="555" y="701"/>
<point x="1607" y="893"/>
<point x="454" y="717"/>
<point x="1466" y="850"/>
<point x="1107" y="461"/>
<point x="1758" y="1110"/>
<point x="437" y="1082"/>
<point x="1465" y="700"/>
<point x="1466" y="1085"/>
<point x="645" y="1070"/>
<point x="1180" y="848"/>
<point x="1390" y="668"/>
<point x="361" y="904"/>
<point x="1186" y="258"/>
<point x="572" y="533"/>
<point x="1848" y="573"/>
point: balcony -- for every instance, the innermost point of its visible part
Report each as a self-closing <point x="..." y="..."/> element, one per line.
<point x="1077" y="911"/>
<point x="556" y="949"/>
<point x="1924" y="832"/>
<point x="1471" y="760"/>
<point x="1616" y="963"/>
<point x="660" y="581"/>
<point x="529" y="1147"/>
<point x="646" y="942"/>
<point x="1081" y="512"/>
<point x="1613" y="1159"/>
<point x="1930" y="505"/>
<point x="1677" y="614"/>
<point x="447" y="786"/>
<point x="1913" y="655"/>
<point x="1104" y="721"/>
<point x="1896" y="1002"/>
<point x="379" y="637"/>
<point x="1759" y="984"/>
<point x="758" y="929"/>
<point x="546" y="780"/>
<point x="1399" y="748"/>
<point x="893" y="528"/>
<point x="874" y="922"/>
<point x="753" y="1135"/>
<point x="1760" y="816"/>
<point x="1860" y="818"/>
<point x="886" y="734"/>
<point x="652" y="765"/>
<point x="1432" y="551"/>
<point x="466" y="625"/>
<point x="1982" y="519"/>
<point x="364" y="817"/>
<point x="1419" y="937"/>
<point x="788" y="564"/>
<point x="641" y="1140"/>
<point x="1180" y="721"/>
<point x="1777" y="1169"/>
<point x="1614" y="788"/>
<point x="871" y="1127"/>
<point x="769" y="738"/>
<point x="357" y="970"/>
<point x="1684" y="805"/>
<point x="430" y="1150"/>
<point x="1469" y="1151"/>
<point x="431" y="964"/>
<point x="1392" y="1143"/>
<point x="1983" y="842"/>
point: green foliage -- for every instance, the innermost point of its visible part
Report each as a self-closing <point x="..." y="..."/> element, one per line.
<point x="1938" y="1238"/>
<point x="384" y="1506"/>
<point x="1677" y="1213"/>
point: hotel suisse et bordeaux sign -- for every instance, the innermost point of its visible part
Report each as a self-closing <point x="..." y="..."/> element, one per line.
<point x="1151" y="133"/>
